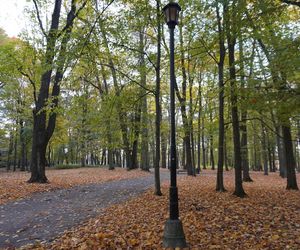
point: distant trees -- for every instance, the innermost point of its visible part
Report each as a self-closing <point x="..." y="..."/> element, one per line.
<point x="99" y="88"/>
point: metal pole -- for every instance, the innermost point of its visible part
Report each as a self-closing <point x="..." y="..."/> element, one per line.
<point x="174" y="212"/>
<point x="173" y="233"/>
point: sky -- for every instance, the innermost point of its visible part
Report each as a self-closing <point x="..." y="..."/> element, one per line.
<point x="12" y="17"/>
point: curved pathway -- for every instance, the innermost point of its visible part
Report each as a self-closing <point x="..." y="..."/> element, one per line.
<point x="44" y="216"/>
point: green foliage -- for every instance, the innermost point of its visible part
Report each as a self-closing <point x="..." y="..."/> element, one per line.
<point x="74" y="166"/>
<point x="102" y="88"/>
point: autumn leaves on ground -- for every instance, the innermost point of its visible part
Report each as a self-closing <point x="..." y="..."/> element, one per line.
<point x="269" y="218"/>
<point x="14" y="186"/>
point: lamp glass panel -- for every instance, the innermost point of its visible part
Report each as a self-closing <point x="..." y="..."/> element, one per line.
<point x="177" y="15"/>
<point x="173" y="13"/>
<point x="167" y="15"/>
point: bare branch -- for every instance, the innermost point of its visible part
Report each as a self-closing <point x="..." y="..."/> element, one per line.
<point x="91" y="32"/>
<point x="136" y="50"/>
<point x="296" y="3"/>
<point x="128" y="77"/>
<point x="31" y="82"/>
<point x="70" y="18"/>
<point x="39" y="17"/>
<point x="210" y="53"/>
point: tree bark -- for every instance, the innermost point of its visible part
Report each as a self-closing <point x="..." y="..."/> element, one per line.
<point x="221" y="140"/>
<point x="203" y="145"/>
<point x="182" y="100"/>
<point x="43" y="128"/>
<point x="15" y="147"/>
<point x="157" y="190"/>
<point x="108" y="129"/>
<point x="199" y="127"/>
<point x="23" y="146"/>
<point x="290" y="160"/>
<point x="211" y="146"/>
<point x="231" y="40"/>
<point x="39" y="140"/>
<point x="144" y="115"/>
<point x="164" y="146"/>
<point x="264" y="148"/>
<point x="225" y="153"/>
<point x="281" y="154"/>
<point x="244" y="114"/>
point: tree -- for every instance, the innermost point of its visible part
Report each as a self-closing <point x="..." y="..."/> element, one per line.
<point x="181" y="95"/>
<point x="53" y="64"/>
<point x="244" y="115"/>
<point x="220" y="184"/>
<point x="282" y="75"/>
<point x="16" y="97"/>
<point x="296" y="3"/>
<point x="157" y="103"/>
<point x="231" y="33"/>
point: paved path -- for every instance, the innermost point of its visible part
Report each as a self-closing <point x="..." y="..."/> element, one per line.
<point x="44" y="216"/>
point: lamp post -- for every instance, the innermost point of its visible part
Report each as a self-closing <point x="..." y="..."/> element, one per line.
<point x="173" y="233"/>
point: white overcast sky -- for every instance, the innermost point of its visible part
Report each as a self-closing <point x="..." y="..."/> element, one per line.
<point x="11" y="16"/>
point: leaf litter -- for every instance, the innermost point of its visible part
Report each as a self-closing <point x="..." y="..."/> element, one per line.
<point x="14" y="186"/>
<point x="268" y="218"/>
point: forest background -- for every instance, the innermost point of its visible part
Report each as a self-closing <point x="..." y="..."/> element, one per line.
<point x="88" y="84"/>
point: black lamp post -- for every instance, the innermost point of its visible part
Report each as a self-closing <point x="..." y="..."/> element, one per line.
<point x="173" y="234"/>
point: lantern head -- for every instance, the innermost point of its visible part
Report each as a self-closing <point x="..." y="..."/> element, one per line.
<point x="171" y="11"/>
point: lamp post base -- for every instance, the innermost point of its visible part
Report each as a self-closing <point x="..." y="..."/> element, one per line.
<point x="173" y="234"/>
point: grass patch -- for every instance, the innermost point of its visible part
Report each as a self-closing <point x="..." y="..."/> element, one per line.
<point x="74" y="166"/>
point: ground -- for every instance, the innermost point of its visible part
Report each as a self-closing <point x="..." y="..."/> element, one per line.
<point x="268" y="218"/>
<point x="46" y="215"/>
<point x="13" y="185"/>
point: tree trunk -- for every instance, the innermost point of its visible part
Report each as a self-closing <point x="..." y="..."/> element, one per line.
<point x="244" y="114"/>
<point x="244" y="148"/>
<point x="269" y="151"/>
<point x="239" y="190"/>
<point x="199" y="128"/>
<point x="10" y="150"/>
<point x="298" y="146"/>
<point x="221" y="140"/>
<point x="280" y="148"/>
<point x="182" y="100"/>
<point x="203" y="145"/>
<point x="38" y="153"/>
<point x="23" y="146"/>
<point x="273" y="159"/>
<point x="183" y="160"/>
<point x="256" y="156"/>
<point x="225" y="154"/>
<point x="157" y="190"/>
<point x="211" y="143"/>
<point x="212" y="158"/>
<point x="84" y="132"/>
<point x="108" y="128"/>
<point x="144" y="114"/>
<point x="136" y="132"/>
<point x="264" y="149"/>
<point x="290" y="160"/>
<point x="15" y="147"/>
<point x="43" y="128"/>
<point x="191" y="110"/>
<point x="164" y="146"/>
<point x="281" y="154"/>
